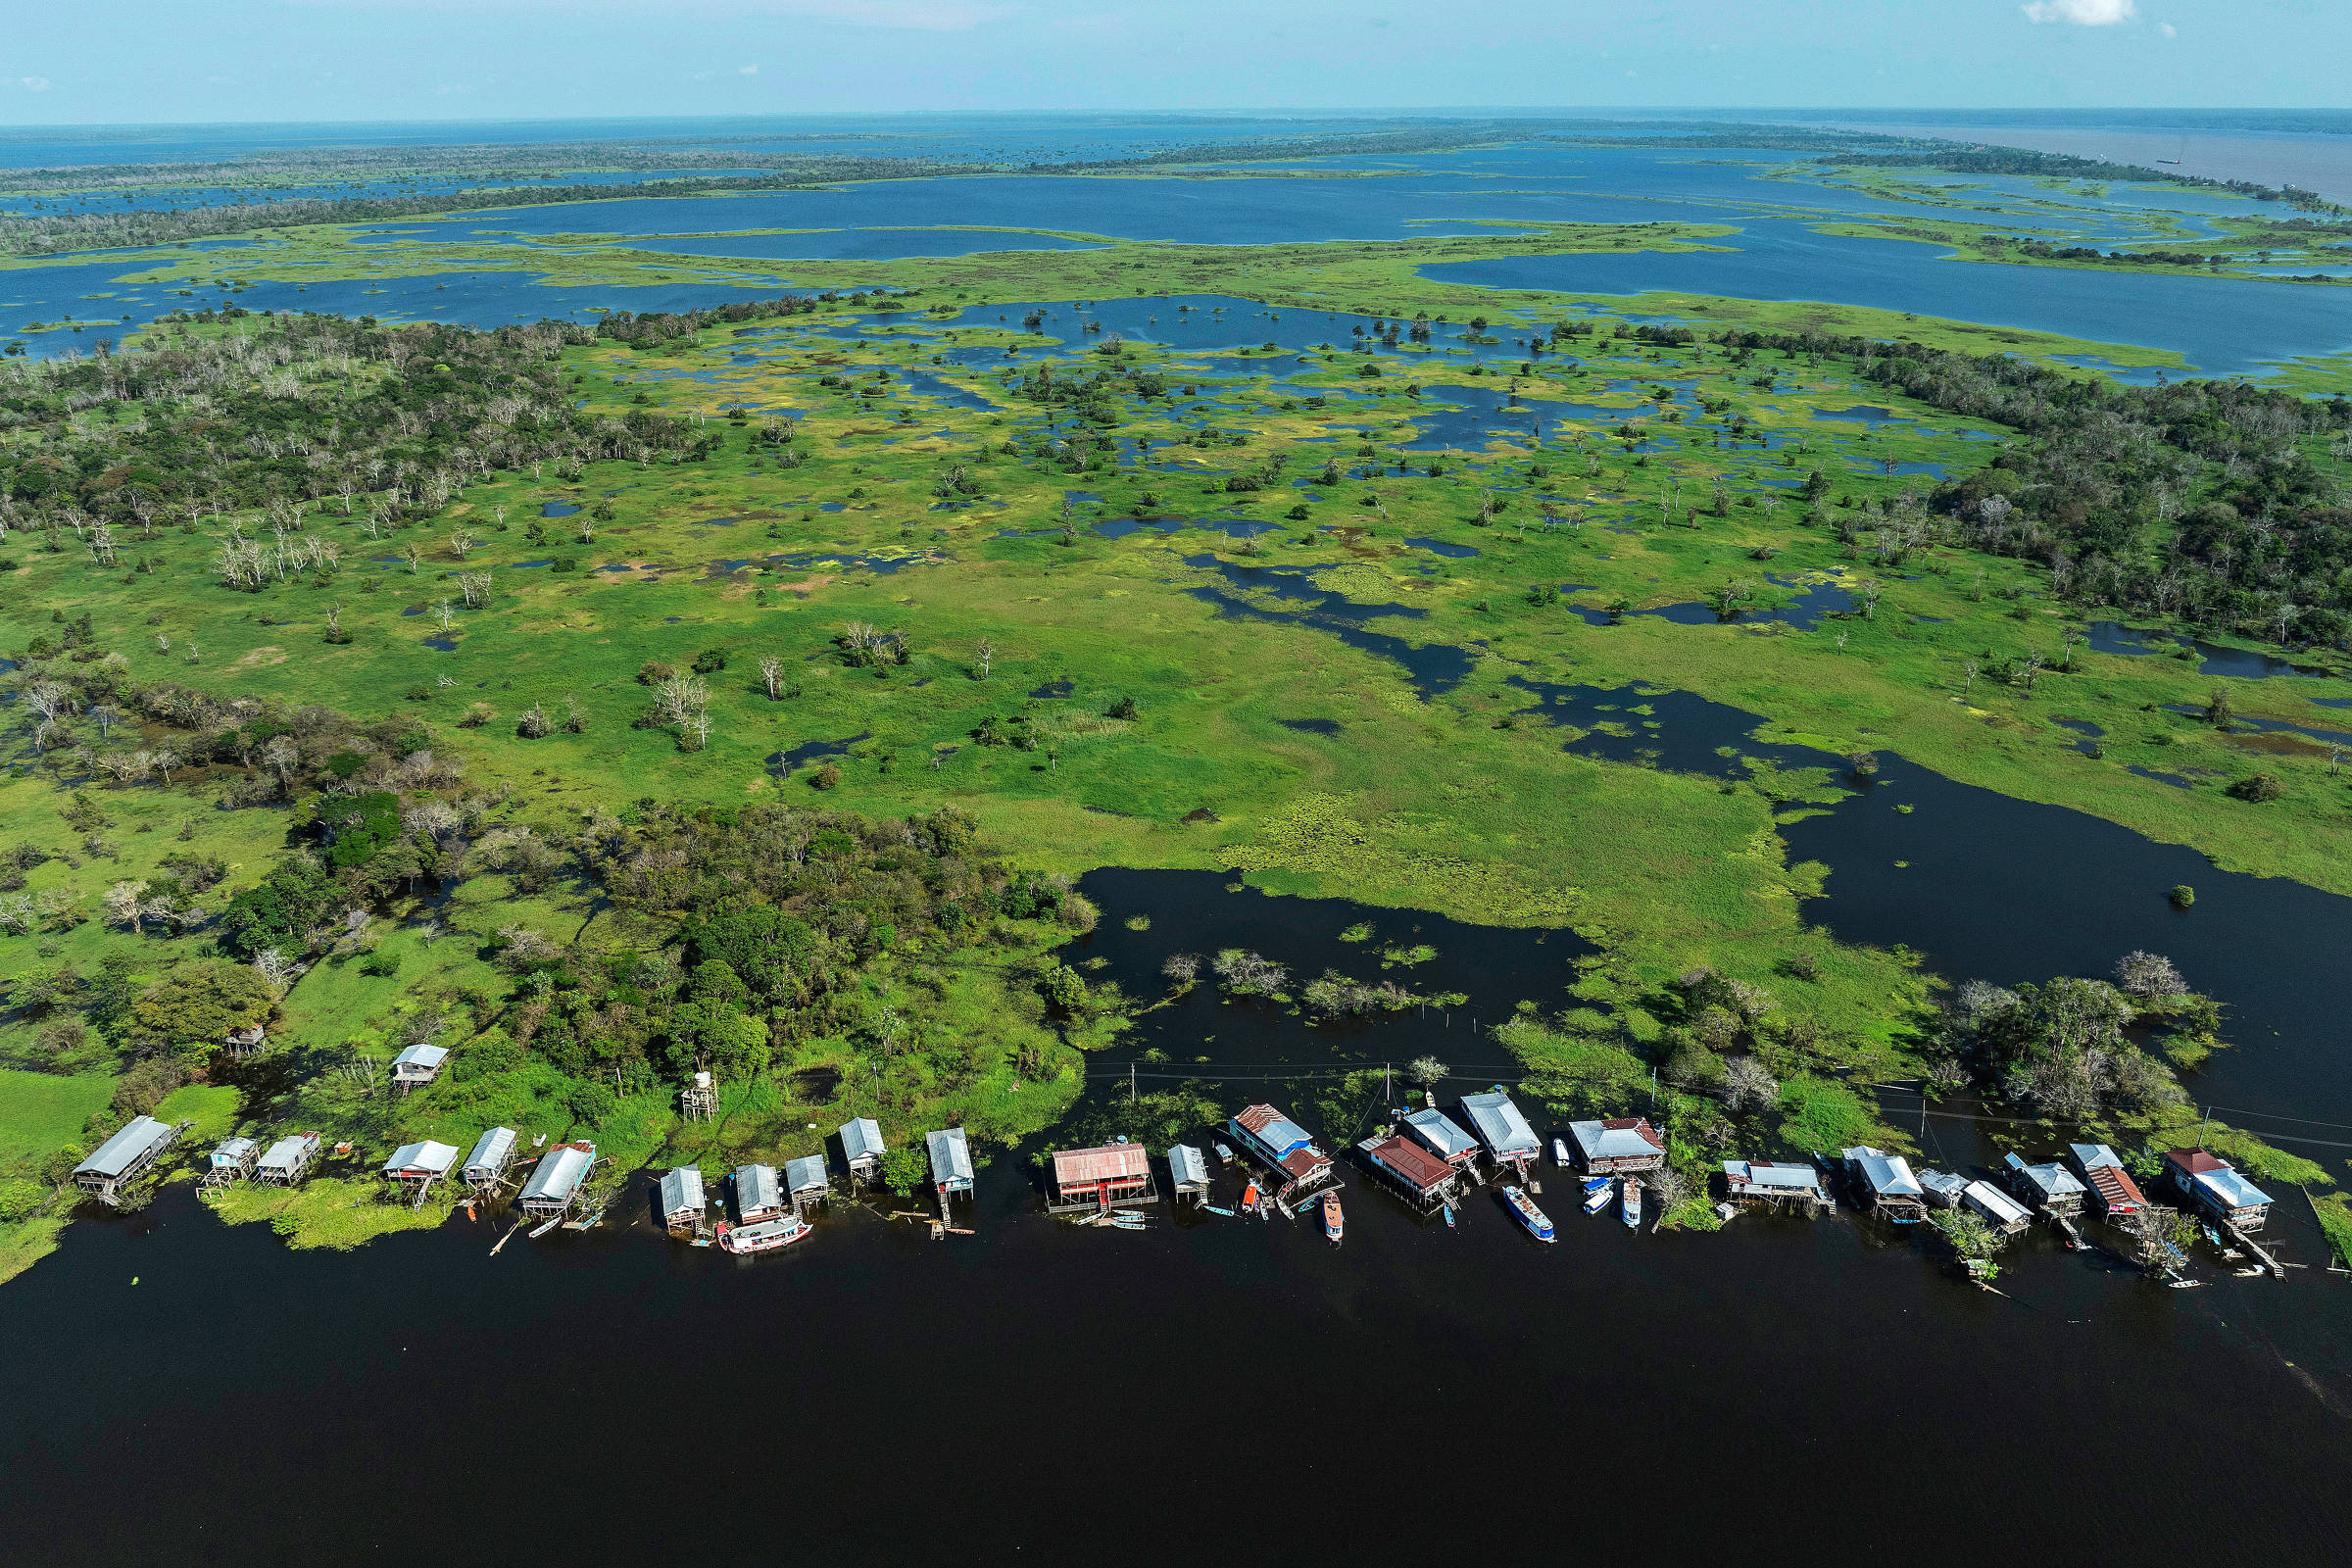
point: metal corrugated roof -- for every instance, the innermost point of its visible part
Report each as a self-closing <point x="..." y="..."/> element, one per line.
<point x="758" y="1187"/>
<point x="1412" y="1161"/>
<point x="1112" y="1162"/>
<point x="1997" y="1205"/>
<point x="1499" y="1125"/>
<point x="1623" y="1138"/>
<point x="1888" y="1175"/>
<point x="427" y="1157"/>
<point x="1273" y="1129"/>
<point x="560" y="1172"/>
<point x="1438" y="1131"/>
<point x="2091" y="1155"/>
<point x="861" y="1139"/>
<point x="682" y="1191"/>
<point x="126" y="1147"/>
<point x="2053" y="1180"/>
<point x="2230" y="1190"/>
<point x="422" y="1056"/>
<point x="1947" y="1186"/>
<point x="491" y="1149"/>
<point x="286" y="1152"/>
<point x="804" y="1174"/>
<point x="1773" y="1173"/>
<point x="1187" y="1165"/>
<point x="2194" y="1160"/>
<point x="950" y="1155"/>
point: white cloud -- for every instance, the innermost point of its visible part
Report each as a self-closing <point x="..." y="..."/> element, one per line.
<point x="747" y="70"/>
<point x="2082" y="13"/>
<point x="923" y="15"/>
<point x="33" y="84"/>
<point x="2167" y="29"/>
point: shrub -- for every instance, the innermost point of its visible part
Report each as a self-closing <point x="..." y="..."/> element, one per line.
<point x="2258" y="788"/>
<point x="709" y="661"/>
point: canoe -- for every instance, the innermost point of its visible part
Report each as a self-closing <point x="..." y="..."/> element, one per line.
<point x="1333" y="1223"/>
<point x="1631" y="1208"/>
<point x="1450" y="1217"/>
<point x="1538" y="1223"/>
<point x="1215" y="1210"/>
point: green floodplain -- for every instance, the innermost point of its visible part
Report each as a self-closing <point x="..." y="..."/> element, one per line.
<point x="534" y="694"/>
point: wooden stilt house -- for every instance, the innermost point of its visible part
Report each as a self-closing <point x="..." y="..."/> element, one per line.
<point x="681" y="1199"/>
<point x="1416" y="1174"/>
<point x="1188" y="1174"/>
<point x="1510" y="1142"/>
<point x="288" y="1160"/>
<point x="416" y="1066"/>
<point x="1885" y="1184"/>
<point x="861" y="1148"/>
<point x="759" y="1194"/>
<point x="2112" y="1191"/>
<point x="2048" y="1189"/>
<point x="558" y="1178"/>
<point x="806" y="1184"/>
<point x="415" y="1167"/>
<point x="492" y="1152"/>
<point x="120" y="1162"/>
<point x="1112" y="1176"/>
<point x="2212" y="1186"/>
<point x="1620" y="1146"/>
<point x="950" y="1165"/>
<point x="1775" y="1181"/>
<point x="231" y="1160"/>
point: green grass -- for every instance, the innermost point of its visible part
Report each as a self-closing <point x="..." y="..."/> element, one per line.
<point x="40" y="1112"/>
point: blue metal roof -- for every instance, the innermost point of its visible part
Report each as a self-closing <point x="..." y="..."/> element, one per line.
<point x="1438" y="1131"/>
<point x="950" y="1158"/>
<point x="806" y="1174"/>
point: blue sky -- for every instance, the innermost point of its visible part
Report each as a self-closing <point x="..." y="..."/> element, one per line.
<point x="169" y="61"/>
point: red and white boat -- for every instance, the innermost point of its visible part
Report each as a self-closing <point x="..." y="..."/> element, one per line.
<point x="764" y="1237"/>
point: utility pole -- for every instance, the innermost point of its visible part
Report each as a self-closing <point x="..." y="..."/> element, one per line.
<point x="1131" y="1083"/>
<point x="2201" y="1126"/>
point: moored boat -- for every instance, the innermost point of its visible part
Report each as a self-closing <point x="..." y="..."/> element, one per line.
<point x="1538" y="1223"/>
<point x="1597" y="1198"/>
<point x="1333" y="1223"/>
<point x="1559" y="1151"/>
<point x="1630" y="1206"/>
<point x="764" y="1237"/>
<point x="1250" y="1198"/>
<point x="1597" y="1184"/>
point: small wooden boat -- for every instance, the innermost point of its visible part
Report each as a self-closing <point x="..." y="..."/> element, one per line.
<point x="1224" y="1155"/>
<point x="1630" y="1208"/>
<point x="1333" y="1225"/>
<point x="1597" y="1198"/>
<point x="1538" y="1223"/>
<point x="765" y="1236"/>
<point x="1250" y="1198"/>
<point x="1559" y="1151"/>
<point x="1214" y="1209"/>
<point x="1597" y="1184"/>
<point x="546" y="1225"/>
<point x="1450" y="1217"/>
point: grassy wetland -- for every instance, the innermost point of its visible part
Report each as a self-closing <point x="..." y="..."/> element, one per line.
<point x="745" y="689"/>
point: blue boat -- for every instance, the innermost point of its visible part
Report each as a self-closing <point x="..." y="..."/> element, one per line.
<point x="1594" y="1184"/>
<point x="1533" y="1218"/>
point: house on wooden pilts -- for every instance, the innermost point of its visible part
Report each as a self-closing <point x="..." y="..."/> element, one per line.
<point x="950" y="1165"/>
<point x="1885" y="1184"/>
<point x="759" y="1194"/>
<point x="416" y="1066"/>
<point x="1417" y="1175"/>
<point x="288" y="1160"/>
<point x="1996" y="1207"/>
<point x="132" y="1152"/>
<point x="1438" y="1132"/>
<point x="679" y="1194"/>
<point x="1188" y="1174"/>
<point x="2047" y="1189"/>
<point x="861" y="1148"/>
<point x="244" y="1041"/>
<point x="805" y="1183"/>
<point x="2112" y="1191"/>
<point x="417" y="1167"/>
<point x="1111" y="1176"/>
<point x="1511" y="1143"/>
<point x="492" y="1152"/>
<point x="1621" y="1145"/>
<point x="1941" y="1187"/>
<point x="1774" y="1182"/>
<point x="1296" y="1165"/>
<point x="2212" y="1186"/>
<point x="558" y="1179"/>
<point x="231" y="1160"/>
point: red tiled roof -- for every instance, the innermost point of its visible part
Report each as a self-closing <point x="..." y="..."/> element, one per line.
<point x="2115" y="1187"/>
<point x="2196" y="1161"/>
<point x="1305" y="1162"/>
<point x="1113" y="1162"/>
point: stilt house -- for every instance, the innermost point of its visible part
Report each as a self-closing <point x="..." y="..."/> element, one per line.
<point x="416" y="1066"/>
<point x="1187" y="1173"/>
<point x="288" y="1160"/>
<point x="1618" y="1147"/>
<point x="558" y="1179"/>
<point x="681" y="1198"/>
<point x="1423" y="1179"/>
<point x="2111" y="1190"/>
<point x="1996" y="1207"/>
<point x="2213" y="1188"/>
<point x="759" y="1194"/>
<point x="861" y="1147"/>
<point x="1282" y="1145"/>
<point x="1888" y="1189"/>
<point x="950" y="1164"/>
<point x="486" y="1167"/>
<point x="805" y="1182"/>
<point x="231" y="1160"/>
<point x="1437" y="1131"/>
<point x="124" y="1157"/>
<point x="1511" y="1143"/>
<point x="1104" y="1177"/>
<point x="2048" y="1189"/>
<point x="419" y="1165"/>
<point x="1773" y="1180"/>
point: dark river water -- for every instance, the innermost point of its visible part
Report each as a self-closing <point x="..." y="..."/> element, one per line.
<point x="181" y="1390"/>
